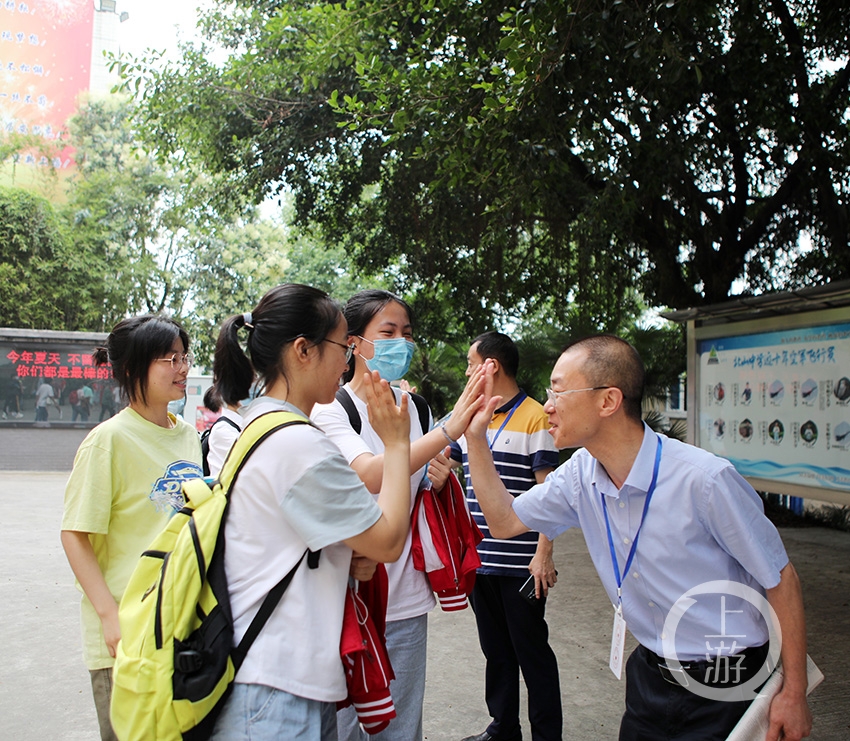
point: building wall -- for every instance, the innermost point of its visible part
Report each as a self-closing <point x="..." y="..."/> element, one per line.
<point x="63" y="359"/>
<point x="104" y="41"/>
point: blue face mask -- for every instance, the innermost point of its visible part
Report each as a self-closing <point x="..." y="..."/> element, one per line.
<point x="392" y="357"/>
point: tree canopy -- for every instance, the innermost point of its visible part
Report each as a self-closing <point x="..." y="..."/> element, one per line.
<point x="44" y="282"/>
<point x="138" y="234"/>
<point x="528" y="156"/>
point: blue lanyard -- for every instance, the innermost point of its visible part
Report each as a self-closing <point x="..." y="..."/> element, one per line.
<point x="637" y="534"/>
<point x="510" y="414"/>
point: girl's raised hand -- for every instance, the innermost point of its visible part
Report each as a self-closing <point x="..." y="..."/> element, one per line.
<point x="475" y="395"/>
<point x="388" y="419"/>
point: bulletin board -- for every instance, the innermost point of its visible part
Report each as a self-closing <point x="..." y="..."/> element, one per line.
<point x="771" y="393"/>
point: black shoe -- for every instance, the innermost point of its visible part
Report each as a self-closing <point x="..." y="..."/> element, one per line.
<point x="487" y="737"/>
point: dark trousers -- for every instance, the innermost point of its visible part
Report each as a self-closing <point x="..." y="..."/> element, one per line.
<point x="514" y="637"/>
<point x="661" y="710"/>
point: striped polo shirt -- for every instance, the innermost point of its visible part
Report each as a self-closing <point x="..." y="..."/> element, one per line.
<point x="521" y="445"/>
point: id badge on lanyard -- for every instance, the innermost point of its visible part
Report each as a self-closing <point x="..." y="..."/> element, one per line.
<point x="618" y="631"/>
<point x="618" y="643"/>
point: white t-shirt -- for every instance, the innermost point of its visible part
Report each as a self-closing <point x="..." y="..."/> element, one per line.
<point x="221" y="440"/>
<point x="410" y="594"/>
<point x="45" y="392"/>
<point x="296" y="491"/>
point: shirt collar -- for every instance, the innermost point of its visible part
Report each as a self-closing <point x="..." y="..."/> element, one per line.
<point x="263" y="401"/>
<point x="508" y="406"/>
<point x="640" y="475"/>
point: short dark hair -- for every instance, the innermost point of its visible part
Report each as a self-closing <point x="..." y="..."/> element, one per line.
<point x="131" y="347"/>
<point x="499" y="347"/>
<point x="362" y="307"/>
<point x="612" y="361"/>
<point x="284" y="314"/>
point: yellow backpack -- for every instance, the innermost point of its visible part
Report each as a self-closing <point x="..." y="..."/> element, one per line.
<point x="176" y="661"/>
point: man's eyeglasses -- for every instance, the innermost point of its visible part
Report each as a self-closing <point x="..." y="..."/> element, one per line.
<point x="349" y="349"/>
<point x="553" y="395"/>
<point x="178" y="360"/>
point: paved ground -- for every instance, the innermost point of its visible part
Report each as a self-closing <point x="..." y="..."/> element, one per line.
<point x="44" y="690"/>
<point x="25" y="447"/>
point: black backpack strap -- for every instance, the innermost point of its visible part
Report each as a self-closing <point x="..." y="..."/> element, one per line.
<point x="239" y="652"/>
<point x="348" y="404"/>
<point x="205" y="440"/>
<point x="419" y="402"/>
<point x="229" y="421"/>
<point x="424" y="412"/>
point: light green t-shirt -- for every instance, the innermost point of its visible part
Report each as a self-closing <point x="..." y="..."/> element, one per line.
<point x="125" y="485"/>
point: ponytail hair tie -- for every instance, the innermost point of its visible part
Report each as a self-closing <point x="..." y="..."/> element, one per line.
<point x="248" y="320"/>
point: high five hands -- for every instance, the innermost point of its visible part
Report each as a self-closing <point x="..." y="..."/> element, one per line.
<point x="480" y="388"/>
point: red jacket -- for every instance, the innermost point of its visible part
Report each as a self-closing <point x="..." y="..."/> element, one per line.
<point x="364" y="652"/>
<point x="444" y="543"/>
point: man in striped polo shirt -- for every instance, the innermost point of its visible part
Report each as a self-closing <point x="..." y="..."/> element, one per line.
<point x="512" y="629"/>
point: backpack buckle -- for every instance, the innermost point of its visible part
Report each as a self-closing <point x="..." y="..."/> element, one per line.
<point x="188" y="661"/>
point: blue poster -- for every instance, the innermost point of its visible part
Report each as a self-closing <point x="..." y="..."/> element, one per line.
<point x="777" y="404"/>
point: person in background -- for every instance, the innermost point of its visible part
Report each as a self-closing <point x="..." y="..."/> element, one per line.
<point x="297" y="492"/>
<point x="512" y="630"/>
<point x="221" y="434"/>
<point x="75" y="401"/>
<point x="126" y="482"/>
<point x="699" y="522"/>
<point x="44" y="396"/>
<point x="118" y="399"/>
<point x="380" y="328"/>
<point x="12" y="404"/>
<point x="107" y="402"/>
<point x="86" y="401"/>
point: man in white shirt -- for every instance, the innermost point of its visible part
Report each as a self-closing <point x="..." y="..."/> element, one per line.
<point x="44" y="395"/>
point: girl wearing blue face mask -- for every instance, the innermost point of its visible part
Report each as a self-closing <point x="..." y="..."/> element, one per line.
<point x="380" y="326"/>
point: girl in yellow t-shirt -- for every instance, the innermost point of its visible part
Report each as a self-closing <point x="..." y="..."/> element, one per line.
<point x="126" y="482"/>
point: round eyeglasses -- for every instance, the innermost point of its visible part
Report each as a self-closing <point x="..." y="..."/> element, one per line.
<point x="553" y="395"/>
<point x="178" y="360"/>
<point x="349" y="349"/>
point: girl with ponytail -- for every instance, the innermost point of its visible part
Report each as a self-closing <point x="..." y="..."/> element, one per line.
<point x="233" y="378"/>
<point x="297" y="492"/>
